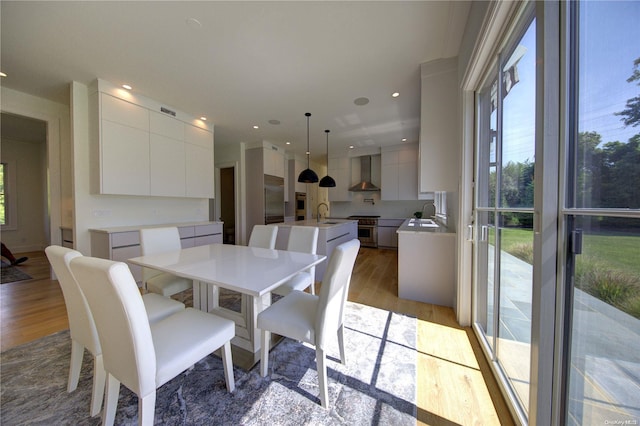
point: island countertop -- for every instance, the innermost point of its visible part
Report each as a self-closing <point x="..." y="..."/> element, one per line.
<point x="322" y="224"/>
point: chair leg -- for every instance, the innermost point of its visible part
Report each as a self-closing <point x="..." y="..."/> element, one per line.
<point x="227" y="363"/>
<point x="147" y="409"/>
<point x="77" y="353"/>
<point x="111" y="401"/>
<point x="343" y="358"/>
<point x="264" y="352"/>
<point x="322" y="378"/>
<point x="99" y="379"/>
<point x="313" y="286"/>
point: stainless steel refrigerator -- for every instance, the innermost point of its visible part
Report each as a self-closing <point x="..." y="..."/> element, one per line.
<point x="273" y="199"/>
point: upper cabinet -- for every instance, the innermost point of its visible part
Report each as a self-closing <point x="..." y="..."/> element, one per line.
<point x="399" y="170"/>
<point x="340" y="170"/>
<point x="274" y="161"/>
<point x="143" y="148"/>
<point x="439" y="137"/>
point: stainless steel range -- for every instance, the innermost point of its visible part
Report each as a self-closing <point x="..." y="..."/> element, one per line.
<point x="367" y="230"/>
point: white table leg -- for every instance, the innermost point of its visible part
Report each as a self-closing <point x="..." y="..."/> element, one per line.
<point x="255" y="306"/>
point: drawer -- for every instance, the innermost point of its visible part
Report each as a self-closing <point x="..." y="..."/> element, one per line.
<point x="187" y="242"/>
<point x="186" y="231"/>
<point x="123" y="239"/>
<point x="208" y="239"/>
<point x="123" y="254"/>
<point x="210" y="229"/>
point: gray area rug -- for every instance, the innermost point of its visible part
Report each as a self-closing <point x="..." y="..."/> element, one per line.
<point x="10" y="274"/>
<point x="376" y="386"/>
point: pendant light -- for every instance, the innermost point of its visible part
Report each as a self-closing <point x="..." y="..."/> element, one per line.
<point x="327" y="181"/>
<point x="308" y="175"/>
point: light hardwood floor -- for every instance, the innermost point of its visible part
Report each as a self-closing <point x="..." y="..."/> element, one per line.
<point x="455" y="385"/>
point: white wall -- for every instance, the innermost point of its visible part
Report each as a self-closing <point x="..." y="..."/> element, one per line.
<point x="29" y="160"/>
<point x="99" y="211"/>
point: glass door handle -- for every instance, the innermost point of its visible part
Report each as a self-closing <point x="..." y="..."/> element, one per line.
<point x="484" y="233"/>
<point x="470" y="233"/>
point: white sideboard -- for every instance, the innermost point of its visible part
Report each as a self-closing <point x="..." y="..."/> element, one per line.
<point x="123" y="243"/>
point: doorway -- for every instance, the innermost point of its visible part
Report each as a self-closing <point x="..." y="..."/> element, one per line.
<point x="228" y="204"/>
<point x="24" y="199"/>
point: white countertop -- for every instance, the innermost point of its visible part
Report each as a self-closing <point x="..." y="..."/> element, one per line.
<point x="114" y="229"/>
<point x="324" y="223"/>
<point x="419" y="226"/>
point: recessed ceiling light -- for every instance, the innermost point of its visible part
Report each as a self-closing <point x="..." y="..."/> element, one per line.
<point x="404" y="139"/>
<point x="274" y="122"/>
<point x="203" y="118"/>
<point x="2" y="74"/>
<point x="288" y="143"/>
<point x="395" y="94"/>
<point x="361" y="101"/>
<point x="256" y="127"/>
<point x="350" y="146"/>
<point x="126" y="86"/>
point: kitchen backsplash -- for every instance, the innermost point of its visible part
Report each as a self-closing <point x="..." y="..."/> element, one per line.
<point x="384" y="209"/>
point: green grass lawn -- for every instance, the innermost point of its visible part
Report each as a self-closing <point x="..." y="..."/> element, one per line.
<point x="620" y="253"/>
<point x="608" y="268"/>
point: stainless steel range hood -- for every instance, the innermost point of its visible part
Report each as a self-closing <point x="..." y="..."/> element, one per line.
<point x="365" y="184"/>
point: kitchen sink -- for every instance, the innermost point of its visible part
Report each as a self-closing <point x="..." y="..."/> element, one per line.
<point x="423" y="223"/>
<point x="329" y="223"/>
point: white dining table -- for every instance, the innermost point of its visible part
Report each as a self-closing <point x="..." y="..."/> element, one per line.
<point x="252" y="272"/>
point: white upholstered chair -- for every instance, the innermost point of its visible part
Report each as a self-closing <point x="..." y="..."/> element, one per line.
<point x="263" y="236"/>
<point x="82" y="327"/>
<point x="158" y="240"/>
<point x="142" y="356"/>
<point x="302" y="239"/>
<point x="313" y="319"/>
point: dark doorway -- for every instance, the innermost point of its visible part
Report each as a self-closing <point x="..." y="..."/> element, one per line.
<point x="228" y="204"/>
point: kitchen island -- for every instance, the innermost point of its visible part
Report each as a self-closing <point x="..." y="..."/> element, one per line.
<point x="331" y="233"/>
<point x="426" y="262"/>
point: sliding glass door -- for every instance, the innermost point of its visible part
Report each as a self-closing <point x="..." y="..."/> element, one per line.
<point x="603" y="217"/>
<point x="557" y="246"/>
<point x="504" y="210"/>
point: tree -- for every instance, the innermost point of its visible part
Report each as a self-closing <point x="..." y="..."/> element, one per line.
<point x="632" y="110"/>
<point x="588" y="169"/>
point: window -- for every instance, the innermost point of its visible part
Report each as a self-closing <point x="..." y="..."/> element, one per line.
<point x="8" y="204"/>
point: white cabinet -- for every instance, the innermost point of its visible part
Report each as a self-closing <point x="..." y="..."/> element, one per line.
<point x="199" y="162"/>
<point x="426" y="267"/>
<point x="439" y="137"/>
<point x="123" y="150"/>
<point x="141" y="151"/>
<point x="340" y="170"/>
<point x="123" y="243"/>
<point x="274" y="161"/>
<point x="387" y="232"/>
<point x="399" y="170"/>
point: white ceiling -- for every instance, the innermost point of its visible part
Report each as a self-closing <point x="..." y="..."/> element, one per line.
<point x="248" y="62"/>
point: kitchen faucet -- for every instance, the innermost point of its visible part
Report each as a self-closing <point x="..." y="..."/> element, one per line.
<point x="423" y="206"/>
<point x="318" y="210"/>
